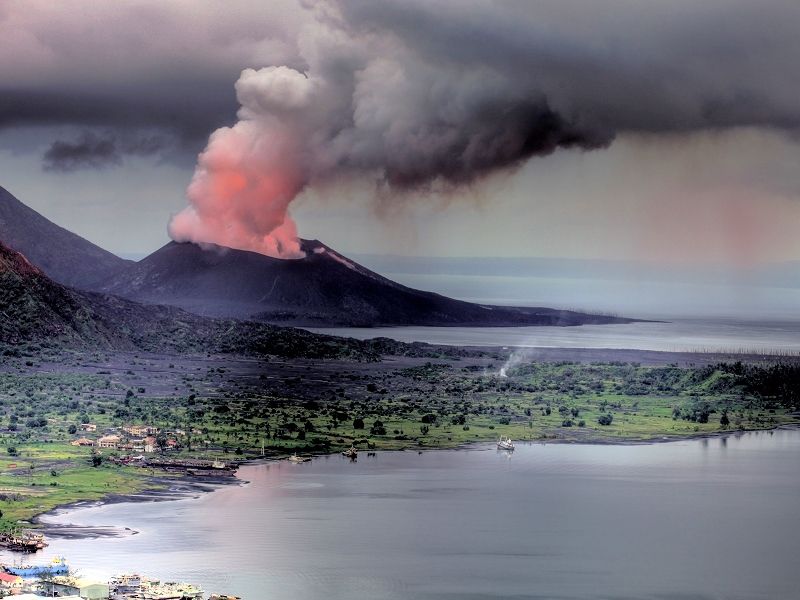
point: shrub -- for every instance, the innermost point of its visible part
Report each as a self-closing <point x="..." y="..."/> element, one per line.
<point x="606" y="419"/>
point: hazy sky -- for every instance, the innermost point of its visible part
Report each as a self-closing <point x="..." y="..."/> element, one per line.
<point x="662" y="130"/>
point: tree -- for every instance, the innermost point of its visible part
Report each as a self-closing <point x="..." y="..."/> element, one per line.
<point x="358" y="423"/>
<point x="724" y="421"/>
<point x="606" y="419"/>
<point x="161" y="441"/>
<point x="72" y="429"/>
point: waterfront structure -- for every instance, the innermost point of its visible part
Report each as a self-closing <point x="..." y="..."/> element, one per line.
<point x="22" y="541"/>
<point x="66" y="585"/>
<point x="135" y="586"/>
<point x="38" y="597"/>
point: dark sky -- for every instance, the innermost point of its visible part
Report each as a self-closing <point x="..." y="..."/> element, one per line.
<point x="664" y="129"/>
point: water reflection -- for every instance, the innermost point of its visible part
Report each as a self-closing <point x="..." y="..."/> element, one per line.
<point x="709" y="518"/>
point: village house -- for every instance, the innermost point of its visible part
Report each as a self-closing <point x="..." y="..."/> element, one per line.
<point x="88" y="427"/>
<point x="108" y="441"/>
<point x="150" y="444"/>
<point x="82" y="442"/>
<point x="10" y="583"/>
<point x="140" y="430"/>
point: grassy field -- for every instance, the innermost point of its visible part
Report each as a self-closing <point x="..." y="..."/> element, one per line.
<point x="240" y="407"/>
<point x="46" y="475"/>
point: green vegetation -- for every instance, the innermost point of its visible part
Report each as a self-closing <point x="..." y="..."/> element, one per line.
<point x="41" y="476"/>
<point x="222" y="407"/>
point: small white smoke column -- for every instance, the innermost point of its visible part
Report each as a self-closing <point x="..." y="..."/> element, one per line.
<point x="517" y="357"/>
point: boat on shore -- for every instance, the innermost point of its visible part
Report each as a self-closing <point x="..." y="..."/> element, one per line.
<point x="299" y="459"/>
<point x="130" y="586"/>
<point x="505" y="443"/>
<point x="351" y="452"/>
<point x="58" y="566"/>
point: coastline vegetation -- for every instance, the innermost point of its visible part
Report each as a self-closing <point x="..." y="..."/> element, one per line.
<point x="238" y="408"/>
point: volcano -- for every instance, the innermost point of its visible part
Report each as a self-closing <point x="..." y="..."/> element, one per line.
<point x="322" y="289"/>
<point x="38" y="313"/>
<point x="64" y="256"/>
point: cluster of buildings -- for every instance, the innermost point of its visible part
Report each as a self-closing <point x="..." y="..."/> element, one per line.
<point x="125" y="587"/>
<point x="133" y="438"/>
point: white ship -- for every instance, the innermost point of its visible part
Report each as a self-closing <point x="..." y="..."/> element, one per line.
<point x="505" y="444"/>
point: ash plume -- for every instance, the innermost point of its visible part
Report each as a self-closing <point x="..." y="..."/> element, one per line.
<point x="420" y="96"/>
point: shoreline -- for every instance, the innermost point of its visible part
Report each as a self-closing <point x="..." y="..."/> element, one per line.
<point x="181" y="488"/>
<point x="186" y="487"/>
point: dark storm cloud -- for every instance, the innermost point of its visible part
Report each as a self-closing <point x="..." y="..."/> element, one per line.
<point x="93" y="151"/>
<point x="132" y="64"/>
<point x="415" y="90"/>
<point x="418" y="96"/>
<point x="89" y="151"/>
<point x="615" y="64"/>
<point x="187" y="119"/>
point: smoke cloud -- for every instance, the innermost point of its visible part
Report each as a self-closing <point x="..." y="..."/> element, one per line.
<point x="93" y="151"/>
<point x="418" y="96"/>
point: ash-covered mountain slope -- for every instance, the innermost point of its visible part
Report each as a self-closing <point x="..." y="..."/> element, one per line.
<point x="324" y="288"/>
<point x="64" y="256"/>
<point x="35" y="308"/>
<point x="37" y="313"/>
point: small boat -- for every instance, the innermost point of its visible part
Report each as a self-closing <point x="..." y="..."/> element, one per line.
<point x="299" y="459"/>
<point x="505" y="444"/>
<point x="351" y="452"/>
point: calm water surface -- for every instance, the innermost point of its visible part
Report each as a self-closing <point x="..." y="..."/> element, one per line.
<point x="678" y="335"/>
<point x="698" y="519"/>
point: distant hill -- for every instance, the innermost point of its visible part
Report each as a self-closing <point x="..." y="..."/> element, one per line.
<point x="324" y="288"/>
<point x="35" y="308"/>
<point x="37" y="313"/>
<point x="65" y="257"/>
